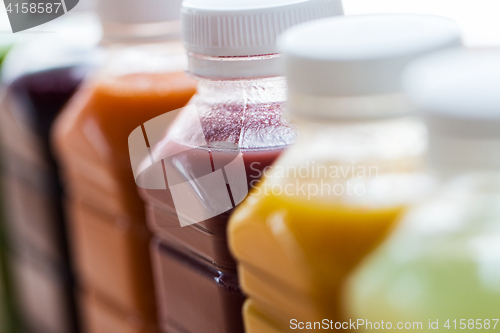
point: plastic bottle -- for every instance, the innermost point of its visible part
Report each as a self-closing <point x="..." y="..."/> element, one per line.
<point x="40" y="74"/>
<point x="359" y="161"/>
<point x="6" y="314"/>
<point x="439" y="269"/>
<point x="233" y="127"/>
<point x="110" y="239"/>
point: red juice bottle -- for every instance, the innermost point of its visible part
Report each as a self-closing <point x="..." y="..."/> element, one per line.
<point x="216" y="150"/>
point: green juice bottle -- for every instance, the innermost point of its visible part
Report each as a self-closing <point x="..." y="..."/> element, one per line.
<point x="440" y="270"/>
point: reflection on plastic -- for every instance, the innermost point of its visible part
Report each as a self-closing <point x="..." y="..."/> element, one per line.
<point x="204" y="181"/>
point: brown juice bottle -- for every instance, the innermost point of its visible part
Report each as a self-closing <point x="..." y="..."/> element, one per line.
<point x="109" y="236"/>
<point x="216" y="150"/>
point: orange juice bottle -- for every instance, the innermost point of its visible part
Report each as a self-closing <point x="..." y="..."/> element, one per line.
<point x="332" y="197"/>
<point x="109" y="235"/>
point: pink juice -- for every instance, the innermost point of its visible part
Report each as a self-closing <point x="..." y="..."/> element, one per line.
<point x="225" y="126"/>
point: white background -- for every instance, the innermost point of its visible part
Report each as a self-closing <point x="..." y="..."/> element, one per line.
<point x="479" y="19"/>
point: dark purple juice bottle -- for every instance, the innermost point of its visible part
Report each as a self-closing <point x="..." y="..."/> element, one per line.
<point x="37" y="231"/>
<point x="38" y="247"/>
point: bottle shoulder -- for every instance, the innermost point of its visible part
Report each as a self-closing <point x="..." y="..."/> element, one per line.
<point x="239" y="124"/>
<point x="105" y="111"/>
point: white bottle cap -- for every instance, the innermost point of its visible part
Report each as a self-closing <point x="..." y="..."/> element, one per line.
<point x="360" y="55"/>
<point x="139" y="11"/>
<point x="244" y="28"/>
<point x="459" y="95"/>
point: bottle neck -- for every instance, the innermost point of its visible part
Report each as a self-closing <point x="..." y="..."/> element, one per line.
<point x="454" y="156"/>
<point x="139" y="33"/>
<point x="317" y="114"/>
<point x="237" y="67"/>
<point x="242" y="91"/>
<point x="363" y="139"/>
<point x="349" y="108"/>
<point x="485" y="184"/>
<point x="360" y="128"/>
<point x="146" y="59"/>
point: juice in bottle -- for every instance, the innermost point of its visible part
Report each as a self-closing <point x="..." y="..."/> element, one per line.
<point x="233" y="128"/>
<point x="40" y="75"/>
<point x="358" y="162"/>
<point x="106" y="217"/>
<point x="439" y="270"/>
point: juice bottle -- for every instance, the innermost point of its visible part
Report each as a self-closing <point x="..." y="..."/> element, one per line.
<point x="359" y="160"/>
<point x="439" y="269"/>
<point x="3" y="308"/>
<point x="40" y="74"/>
<point x="106" y="217"/>
<point x="6" y="314"/>
<point x="233" y="128"/>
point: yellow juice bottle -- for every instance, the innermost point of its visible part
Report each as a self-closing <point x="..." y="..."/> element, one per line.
<point x="359" y="161"/>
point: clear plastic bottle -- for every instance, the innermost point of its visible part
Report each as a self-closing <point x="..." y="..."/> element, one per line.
<point x="40" y="74"/>
<point x="236" y="118"/>
<point x="359" y="161"/>
<point x="142" y="78"/>
<point x="440" y="268"/>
